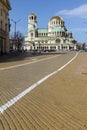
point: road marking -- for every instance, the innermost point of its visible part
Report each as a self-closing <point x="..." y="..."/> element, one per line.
<point x="22" y="94"/>
<point x="15" y="66"/>
<point x="34" y="59"/>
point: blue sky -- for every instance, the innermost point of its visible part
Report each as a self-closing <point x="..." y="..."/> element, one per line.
<point x="74" y="13"/>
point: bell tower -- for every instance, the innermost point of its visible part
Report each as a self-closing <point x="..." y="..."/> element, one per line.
<point x="32" y="26"/>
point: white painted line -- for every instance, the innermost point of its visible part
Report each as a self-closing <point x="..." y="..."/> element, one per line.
<point x="22" y="94"/>
<point x="15" y="66"/>
<point x="34" y="59"/>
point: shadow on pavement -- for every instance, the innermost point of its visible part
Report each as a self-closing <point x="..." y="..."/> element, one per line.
<point x="18" y="56"/>
<point x="15" y="56"/>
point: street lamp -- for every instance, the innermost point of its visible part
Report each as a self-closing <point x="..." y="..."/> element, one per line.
<point x="15" y="24"/>
<point x="15" y="36"/>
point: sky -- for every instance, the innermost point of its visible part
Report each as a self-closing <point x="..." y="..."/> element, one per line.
<point x="74" y="13"/>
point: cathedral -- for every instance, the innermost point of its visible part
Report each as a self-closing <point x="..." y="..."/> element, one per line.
<point x="55" y="37"/>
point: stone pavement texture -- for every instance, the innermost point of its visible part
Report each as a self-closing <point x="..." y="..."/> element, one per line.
<point x="60" y="103"/>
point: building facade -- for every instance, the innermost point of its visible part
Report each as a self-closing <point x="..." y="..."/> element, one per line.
<point x="55" y="37"/>
<point x="4" y="25"/>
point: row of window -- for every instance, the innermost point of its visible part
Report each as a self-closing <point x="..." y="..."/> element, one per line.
<point x="51" y="47"/>
<point x="45" y="47"/>
<point x="64" y="47"/>
<point x="53" y="34"/>
<point x="42" y="34"/>
<point x="57" y="23"/>
<point x="39" y="34"/>
<point x="4" y="21"/>
<point x="4" y="27"/>
<point x="3" y="13"/>
<point x="57" y="33"/>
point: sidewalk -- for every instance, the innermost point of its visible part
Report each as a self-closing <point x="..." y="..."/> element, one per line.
<point x="14" y="56"/>
<point x="22" y="55"/>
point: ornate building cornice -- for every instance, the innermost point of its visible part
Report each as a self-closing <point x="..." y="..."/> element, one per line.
<point x="6" y="3"/>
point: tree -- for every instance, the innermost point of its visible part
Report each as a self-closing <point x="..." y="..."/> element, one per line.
<point x="17" y="40"/>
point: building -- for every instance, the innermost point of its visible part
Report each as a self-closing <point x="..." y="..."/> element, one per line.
<point x="4" y="25"/>
<point x="55" y="37"/>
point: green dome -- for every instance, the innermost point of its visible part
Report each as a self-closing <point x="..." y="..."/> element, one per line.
<point x="57" y="29"/>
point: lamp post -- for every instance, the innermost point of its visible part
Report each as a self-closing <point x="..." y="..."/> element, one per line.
<point x="15" y="24"/>
<point x="15" y="35"/>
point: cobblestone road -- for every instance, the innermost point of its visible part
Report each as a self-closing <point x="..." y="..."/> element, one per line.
<point x="57" y="104"/>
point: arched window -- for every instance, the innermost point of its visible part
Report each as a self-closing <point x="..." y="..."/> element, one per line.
<point x="32" y="17"/>
<point x="5" y="27"/>
<point x="31" y="34"/>
<point x="58" y="40"/>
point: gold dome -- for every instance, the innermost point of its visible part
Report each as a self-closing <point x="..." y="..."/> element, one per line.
<point x="58" y="18"/>
<point x="33" y="14"/>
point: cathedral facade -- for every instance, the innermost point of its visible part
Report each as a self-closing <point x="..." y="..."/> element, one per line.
<point x="55" y="37"/>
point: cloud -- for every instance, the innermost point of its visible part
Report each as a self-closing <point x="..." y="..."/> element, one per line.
<point x="80" y="11"/>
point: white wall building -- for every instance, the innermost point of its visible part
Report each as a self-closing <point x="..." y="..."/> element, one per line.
<point x="55" y="37"/>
